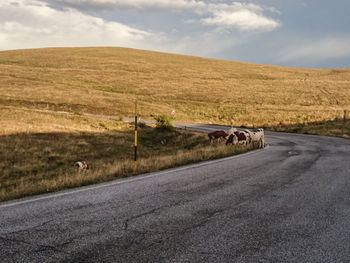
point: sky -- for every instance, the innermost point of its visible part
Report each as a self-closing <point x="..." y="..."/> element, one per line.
<point x="294" y="33"/>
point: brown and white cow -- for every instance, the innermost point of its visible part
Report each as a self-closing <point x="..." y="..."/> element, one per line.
<point x="248" y="133"/>
<point x="232" y="139"/>
<point x="231" y="131"/>
<point x="216" y="135"/>
<point x="242" y="137"/>
<point x="239" y="137"/>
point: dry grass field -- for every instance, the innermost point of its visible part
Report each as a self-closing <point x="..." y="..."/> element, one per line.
<point x="108" y="80"/>
<point x="38" y="147"/>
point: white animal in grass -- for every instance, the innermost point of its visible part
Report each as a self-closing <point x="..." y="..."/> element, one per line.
<point x="81" y="166"/>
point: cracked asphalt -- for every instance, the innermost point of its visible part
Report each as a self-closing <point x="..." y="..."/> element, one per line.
<point x="287" y="203"/>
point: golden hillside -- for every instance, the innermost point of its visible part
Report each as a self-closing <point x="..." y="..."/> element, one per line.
<point x="108" y="80"/>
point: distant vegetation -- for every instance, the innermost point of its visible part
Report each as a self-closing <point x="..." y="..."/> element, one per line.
<point x="164" y="122"/>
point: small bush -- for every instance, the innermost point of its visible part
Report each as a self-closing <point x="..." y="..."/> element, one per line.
<point x="164" y="122"/>
<point x="142" y="125"/>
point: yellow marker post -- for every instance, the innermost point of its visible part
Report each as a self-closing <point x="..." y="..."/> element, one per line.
<point x="135" y="143"/>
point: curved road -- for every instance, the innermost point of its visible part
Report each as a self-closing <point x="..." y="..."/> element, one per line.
<point x="287" y="203"/>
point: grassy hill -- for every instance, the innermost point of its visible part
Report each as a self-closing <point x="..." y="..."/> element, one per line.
<point x="108" y="80"/>
<point x="39" y="144"/>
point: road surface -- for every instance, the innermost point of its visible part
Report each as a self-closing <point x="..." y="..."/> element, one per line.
<point x="287" y="203"/>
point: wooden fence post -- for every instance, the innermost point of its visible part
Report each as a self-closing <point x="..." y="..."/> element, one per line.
<point x="344" y="122"/>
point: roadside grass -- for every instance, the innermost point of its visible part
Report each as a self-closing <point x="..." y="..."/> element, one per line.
<point x="337" y="127"/>
<point x="107" y="81"/>
<point x="38" y="151"/>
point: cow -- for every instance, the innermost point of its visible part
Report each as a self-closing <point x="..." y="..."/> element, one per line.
<point x="258" y="136"/>
<point x="81" y="166"/>
<point x="216" y="135"/>
<point x="249" y="135"/>
<point x="231" y="131"/>
<point x="242" y="137"/>
<point x="232" y="139"/>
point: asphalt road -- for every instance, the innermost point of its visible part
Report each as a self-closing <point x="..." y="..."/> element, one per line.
<point x="287" y="203"/>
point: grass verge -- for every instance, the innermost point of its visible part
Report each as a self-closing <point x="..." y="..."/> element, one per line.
<point x="336" y="127"/>
<point x="38" y="151"/>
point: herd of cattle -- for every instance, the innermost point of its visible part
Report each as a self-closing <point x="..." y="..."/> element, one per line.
<point x="234" y="136"/>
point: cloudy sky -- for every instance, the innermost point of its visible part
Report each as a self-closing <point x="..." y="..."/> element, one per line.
<point x="298" y="33"/>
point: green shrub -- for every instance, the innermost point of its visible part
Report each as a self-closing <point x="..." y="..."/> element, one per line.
<point x="142" y="125"/>
<point x="164" y="122"/>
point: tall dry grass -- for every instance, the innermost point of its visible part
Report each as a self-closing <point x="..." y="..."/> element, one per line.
<point x="38" y="151"/>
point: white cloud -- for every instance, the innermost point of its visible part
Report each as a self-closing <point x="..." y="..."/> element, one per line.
<point x="29" y="23"/>
<point x="318" y="50"/>
<point x="43" y="23"/>
<point x="133" y="4"/>
<point x="243" y="19"/>
<point x="238" y="15"/>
